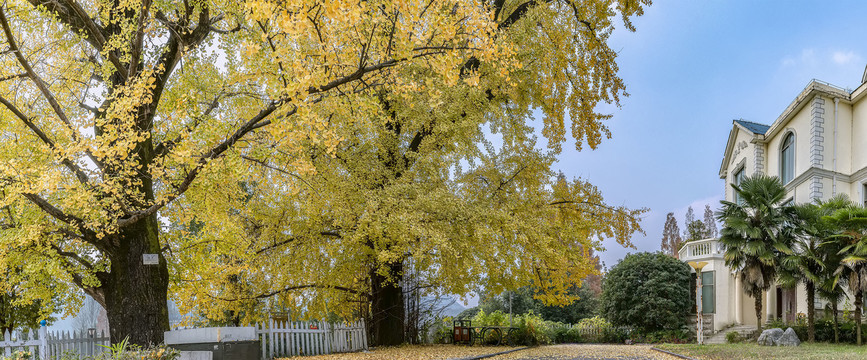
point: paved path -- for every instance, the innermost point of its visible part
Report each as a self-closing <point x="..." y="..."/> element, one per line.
<point x="587" y="352"/>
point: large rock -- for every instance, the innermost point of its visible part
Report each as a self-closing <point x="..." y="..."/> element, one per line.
<point x="769" y="337"/>
<point x="789" y="338"/>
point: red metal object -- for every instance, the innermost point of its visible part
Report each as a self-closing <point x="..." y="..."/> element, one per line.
<point x="463" y="332"/>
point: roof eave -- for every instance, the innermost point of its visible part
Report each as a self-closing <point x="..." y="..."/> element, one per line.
<point x="729" y="146"/>
<point x="812" y="89"/>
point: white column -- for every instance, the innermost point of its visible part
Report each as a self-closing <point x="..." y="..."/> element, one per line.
<point x="769" y="310"/>
<point x="739" y="299"/>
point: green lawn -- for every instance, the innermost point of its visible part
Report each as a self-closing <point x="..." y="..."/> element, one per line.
<point x="754" y="351"/>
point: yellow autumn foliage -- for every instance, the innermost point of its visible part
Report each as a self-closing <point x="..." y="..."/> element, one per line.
<point x="284" y="151"/>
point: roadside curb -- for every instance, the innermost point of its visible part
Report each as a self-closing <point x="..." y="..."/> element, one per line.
<point x="672" y="354"/>
<point x="494" y="354"/>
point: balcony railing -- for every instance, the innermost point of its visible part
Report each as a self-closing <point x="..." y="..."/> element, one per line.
<point x="701" y="249"/>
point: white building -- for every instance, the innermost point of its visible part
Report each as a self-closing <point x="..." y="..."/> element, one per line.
<point x="818" y="148"/>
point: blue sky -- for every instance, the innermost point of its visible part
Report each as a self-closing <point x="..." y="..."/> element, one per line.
<point x="692" y="67"/>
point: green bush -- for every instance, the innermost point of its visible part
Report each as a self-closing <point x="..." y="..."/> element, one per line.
<point x="532" y="330"/>
<point x="496" y="318"/>
<point x="563" y="334"/>
<point x="650" y="291"/>
<point x="614" y="336"/>
<point x="442" y="331"/>
<point x="734" y="337"/>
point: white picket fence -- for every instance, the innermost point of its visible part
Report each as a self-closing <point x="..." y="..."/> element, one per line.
<point x="30" y="342"/>
<point x="74" y="342"/>
<point x="278" y="339"/>
<point x="43" y="344"/>
<point x="293" y="338"/>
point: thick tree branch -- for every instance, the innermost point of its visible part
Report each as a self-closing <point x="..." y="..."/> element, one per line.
<point x="138" y="40"/>
<point x="71" y="14"/>
<point x="58" y="110"/>
<point x="82" y="177"/>
<point x="519" y="13"/>
<point x="52" y="210"/>
<point x="215" y="152"/>
<point x="74" y="256"/>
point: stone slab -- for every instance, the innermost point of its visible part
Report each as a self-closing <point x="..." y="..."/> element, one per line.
<point x="210" y="335"/>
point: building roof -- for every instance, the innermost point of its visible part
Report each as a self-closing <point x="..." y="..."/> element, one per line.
<point x="756" y="128"/>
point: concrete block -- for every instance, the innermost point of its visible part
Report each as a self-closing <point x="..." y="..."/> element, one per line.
<point x="197" y="355"/>
<point x="210" y="335"/>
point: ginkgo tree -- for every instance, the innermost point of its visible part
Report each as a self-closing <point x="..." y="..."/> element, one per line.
<point x="123" y="120"/>
<point x="452" y="180"/>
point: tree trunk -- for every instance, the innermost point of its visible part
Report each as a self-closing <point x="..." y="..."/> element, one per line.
<point x="7" y="320"/>
<point x="811" y="320"/>
<point x="135" y="294"/>
<point x="858" y="295"/>
<point x="758" y="303"/>
<point x="836" y="322"/>
<point x="387" y="310"/>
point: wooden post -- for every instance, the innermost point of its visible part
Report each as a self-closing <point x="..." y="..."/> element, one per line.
<point x="43" y="340"/>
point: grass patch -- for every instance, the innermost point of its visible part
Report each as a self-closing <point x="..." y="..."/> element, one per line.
<point x="755" y="351"/>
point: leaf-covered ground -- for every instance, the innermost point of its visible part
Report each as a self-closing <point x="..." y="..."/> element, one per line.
<point x="554" y="352"/>
<point x="413" y="352"/>
<point x="587" y="352"/>
<point x="753" y="351"/>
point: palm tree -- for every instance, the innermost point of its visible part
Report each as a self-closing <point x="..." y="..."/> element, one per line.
<point x="814" y="259"/>
<point x="806" y="264"/>
<point x="754" y="234"/>
<point x="852" y="224"/>
<point x="832" y="291"/>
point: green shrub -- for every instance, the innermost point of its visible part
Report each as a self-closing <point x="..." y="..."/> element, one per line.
<point x="734" y="337"/>
<point x="443" y="330"/>
<point x="650" y="291"/>
<point x="532" y="330"/>
<point x="496" y="318"/>
<point x="614" y="336"/>
<point x="563" y="334"/>
<point x="124" y="351"/>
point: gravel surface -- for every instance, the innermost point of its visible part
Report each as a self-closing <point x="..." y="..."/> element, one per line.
<point x="587" y="352"/>
<point x="413" y="352"/>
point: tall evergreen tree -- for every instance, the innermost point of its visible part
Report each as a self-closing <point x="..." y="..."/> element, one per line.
<point x="687" y="221"/>
<point x="709" y="223"/>
<point x="671" y="239"/>
<point x="695" y="231"/>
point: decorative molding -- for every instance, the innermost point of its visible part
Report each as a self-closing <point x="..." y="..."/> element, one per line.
<point x="817" y="131"/>
<point x="816" y="187"/>
<point x="812" y="172"/>
<point x="741" y="145"/>
<point x="758" y="158"/>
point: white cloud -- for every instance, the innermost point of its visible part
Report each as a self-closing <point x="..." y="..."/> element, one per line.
<point x="845" y="57"/>
<point x="806" y="57"/>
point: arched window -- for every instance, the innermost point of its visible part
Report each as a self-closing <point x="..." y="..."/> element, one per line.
<point x="787" y="158"/>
